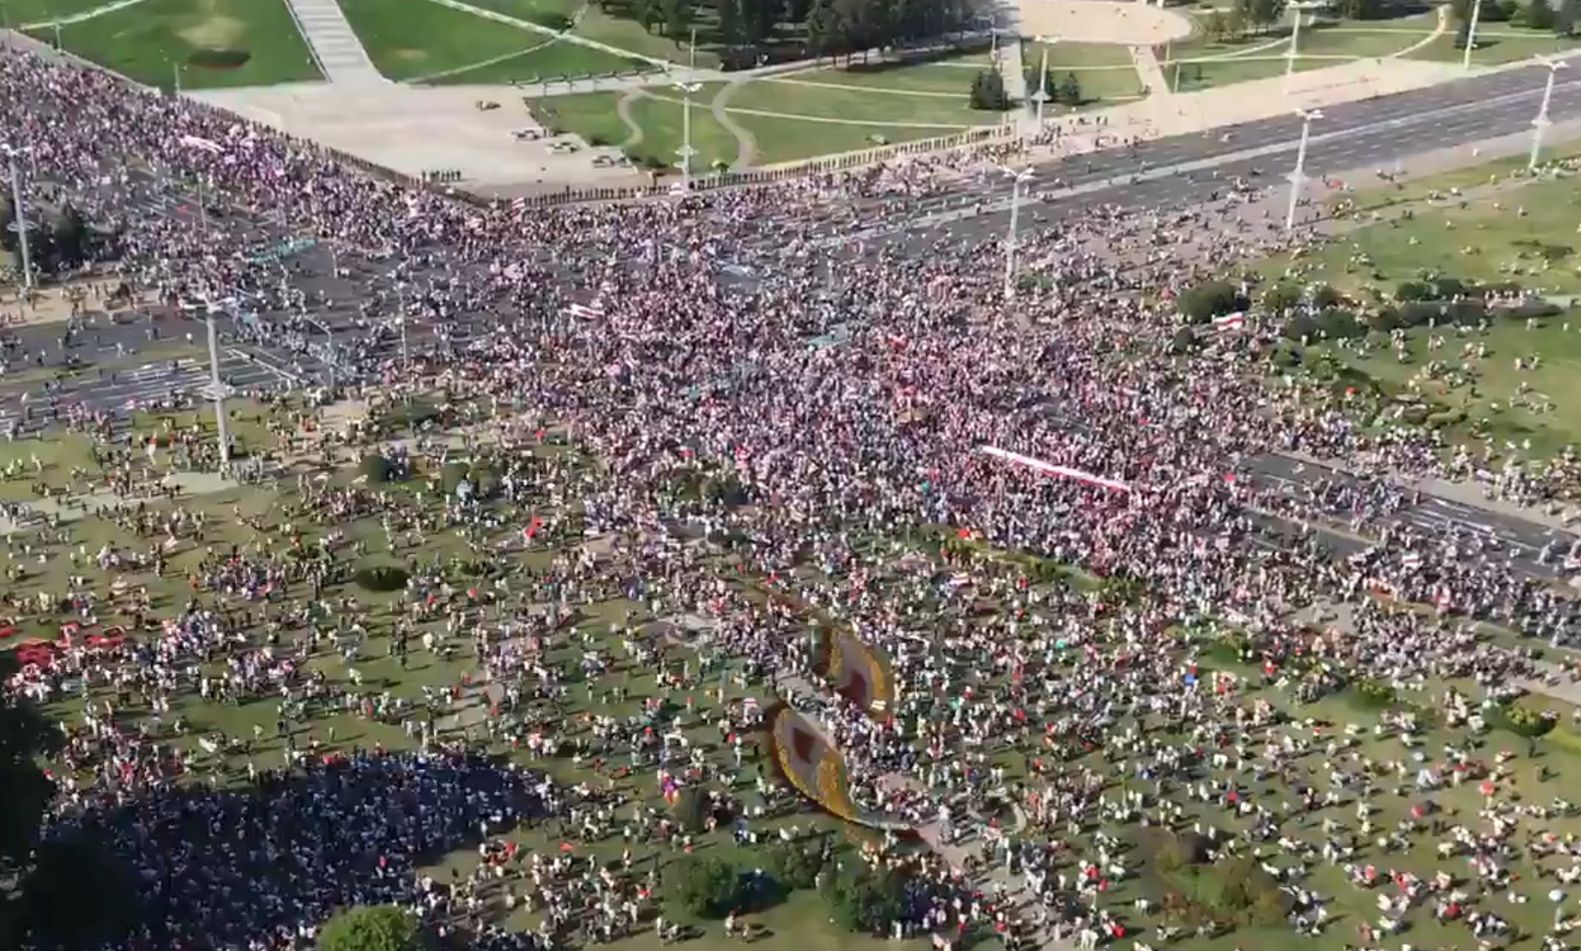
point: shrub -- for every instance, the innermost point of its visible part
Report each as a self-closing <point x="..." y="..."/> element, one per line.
<point x="988" y="91"/>
<point x="376" y="469"/>
<point x="1467" y="313"/>
<point x="691" y="809"/>
<point x="793" y="865"/>
<point x="1185" y="340"/>
<point x="1374" y="694"/>
<point x="371" y="928"/>
<point x="1206" y="301"/>
<point x="1339" y="324"/>
<point x="1386" y="319"/>
<point x="1325" y="296"/>
<point x="1524" y="721"/>
<point x="1415" y="291"/>
<point x="1300" y="327"/>
<point x="862" y="899"/>
<point x="1447" y="288"/>
<point x="1420" y="313"/>
<point x="381" y="578"/>
<point x="451" y="476"/>
<point x="1281" y="298"/>
<point x="704" y="887"/>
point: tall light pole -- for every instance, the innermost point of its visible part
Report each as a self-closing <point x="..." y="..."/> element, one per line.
<point x="1471" y="33"/>
<point x="1541" y="123"/>
<point x="406" y="355"/>
<point x="687" y="88"/>
<point x="1299" y="174"/>
<point x="1041" y="97"/>
<point x="217" y="388"/>
<point x="20" y="216"/>
<point x="1018" y="179"/>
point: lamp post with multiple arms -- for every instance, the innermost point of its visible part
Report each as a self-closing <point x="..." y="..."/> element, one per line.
<point x="19" y="216"/>
<point x="1018" y="179"/>
<point x="1308" y="116"/>
<point x="1471" y="33"/>
<point x="1541" y="123"/>
<point x="689" y="86"/>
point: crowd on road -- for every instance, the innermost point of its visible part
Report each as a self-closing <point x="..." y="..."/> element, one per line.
<point x="835" y="398"/>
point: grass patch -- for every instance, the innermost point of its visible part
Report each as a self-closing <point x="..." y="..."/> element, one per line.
<point x="212" y="42"/>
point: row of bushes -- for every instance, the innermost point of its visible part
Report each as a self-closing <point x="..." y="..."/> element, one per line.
<point x="859" y="898"/>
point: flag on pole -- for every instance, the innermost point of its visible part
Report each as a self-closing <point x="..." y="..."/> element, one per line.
<point x="202" y="144"/>
<point x="1233" y="321"/>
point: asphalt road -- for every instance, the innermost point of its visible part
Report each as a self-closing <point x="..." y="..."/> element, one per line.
<point x="1188" y="170"/>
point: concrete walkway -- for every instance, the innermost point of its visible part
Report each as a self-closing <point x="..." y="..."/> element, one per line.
<point x="339" y="53"/>
<point x="1150" y="71"/>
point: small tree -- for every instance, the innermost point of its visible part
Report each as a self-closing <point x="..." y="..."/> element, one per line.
<point x="1208" y="300"/>
<point x="371" y="928"/>
<point x="52" y="896"/>
<point x="1070" y="90"/>
<point x="691" y="809"/>
<point x="1282" y="298"/>
<point x="1565" y="18"/>
<point x="988" y="91"/>
<point x="794" y="865"/>
<point x="704" y="887"/>
<point x="862" y="899"/>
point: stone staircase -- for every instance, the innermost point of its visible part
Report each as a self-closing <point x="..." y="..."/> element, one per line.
<point x="335" y="46"/>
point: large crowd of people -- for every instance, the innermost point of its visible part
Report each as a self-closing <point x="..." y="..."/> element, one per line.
<point x="840" y="395"/>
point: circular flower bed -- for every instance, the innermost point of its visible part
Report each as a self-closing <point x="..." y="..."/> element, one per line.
<point x="209" y="58"/>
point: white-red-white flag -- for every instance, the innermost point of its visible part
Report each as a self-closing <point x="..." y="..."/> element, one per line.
<point x="201" y="144"/>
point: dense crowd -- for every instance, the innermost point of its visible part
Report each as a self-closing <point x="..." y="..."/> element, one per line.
<point x="843" y="391"/>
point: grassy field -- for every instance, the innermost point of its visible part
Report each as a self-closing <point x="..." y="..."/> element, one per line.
<point x="1202" y="62"/>
<point x="256" y="42"/>
<point x="1498" y="43"/>
<point x="1104" y="71"/>
<point x="1340" y="730"/>
<point x="1524" y="235"/>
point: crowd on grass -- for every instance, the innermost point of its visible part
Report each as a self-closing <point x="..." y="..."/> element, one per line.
<point x="772" y="432"/>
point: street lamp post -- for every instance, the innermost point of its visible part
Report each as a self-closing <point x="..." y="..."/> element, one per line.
<point x="1041" y="97"/>
<point x="1298" y="175"/>
<point x="20" y="223"/>
<point x="1471" y="33"/>
<point x="687" y="88"/>
<point x="1017" y="180"/>
<point x="1541" y="123"/>
<point x="217" y="388"/>
<point x="406" y="354"/>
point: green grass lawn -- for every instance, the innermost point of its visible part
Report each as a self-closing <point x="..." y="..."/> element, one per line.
<point x="150" y="40"/>
<point x="622" y="31"/>
<point x="1526" y="236"/>
<point x="1498" y="43"/>
<point x="545" y="59"/>
<point x="24" y="12"/>
<point x="952" y="75"/>
<point x="795" y="100"/>
<point x="787" y="140"/>
<point x="1204" y="62"/>
<point x="411" y="38"/>
<point x="593" y="116"/>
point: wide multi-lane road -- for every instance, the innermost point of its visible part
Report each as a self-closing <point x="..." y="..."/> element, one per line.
<point x="1181" y="171"/>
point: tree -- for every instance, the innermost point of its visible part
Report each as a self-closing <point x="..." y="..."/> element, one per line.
<point x="1265" y="13"/>
<point x="1565" y="18"/>
<point x="646" y="12"/>
<point x="1538" y="15"/>
<point x="53" y="893"/>
<point x="1360" y="9"/>
<point x="677" y="19"/>
<point x="1234" y="25"/>
<point x="862" y="899"/>
<point x="1282" y="298"/>
<point x="704" y="887"/>
<point x="759" y="18"/>
<point x="1208" y="300"/>
<point x="1070" y="90"/>
<point x="1463" y="34"/>
<point x="731" y="28"/>
<point x="24" y="740"/>
<point x="823" y="29"/>
<point x="988" y="91"/>
<point x="1217" y="24"/>
<point x="371" y="928"/>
